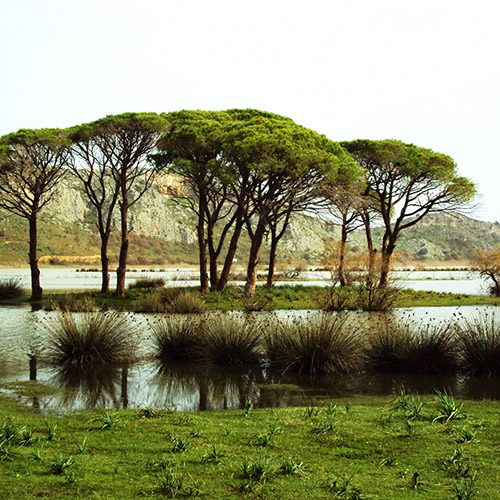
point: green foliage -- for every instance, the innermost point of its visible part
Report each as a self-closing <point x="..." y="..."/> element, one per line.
<point x="447" y="409"/>
<point x="61" y="464"/>
<point x="70" y="303"/>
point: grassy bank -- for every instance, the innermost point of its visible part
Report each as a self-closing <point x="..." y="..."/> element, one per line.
<point x="374" y="448"/>
<point x="287" y="297"/>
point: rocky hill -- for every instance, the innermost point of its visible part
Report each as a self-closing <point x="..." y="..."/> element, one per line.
<point x="163" y="232"/>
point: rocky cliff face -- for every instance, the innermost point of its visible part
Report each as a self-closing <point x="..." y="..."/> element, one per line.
<point x="164" y="231"/>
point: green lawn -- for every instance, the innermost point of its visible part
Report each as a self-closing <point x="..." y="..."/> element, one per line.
<point x="362" y="448"/>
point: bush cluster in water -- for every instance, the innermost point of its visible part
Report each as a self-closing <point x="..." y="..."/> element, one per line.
<point x="322" y="343"/>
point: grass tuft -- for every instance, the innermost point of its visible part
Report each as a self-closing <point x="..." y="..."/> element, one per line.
<point x="323" y="344"/>
<point x="479" y="344"/>
<point x="147" y="282"/>
<point x="89" y="340"/>
<point x="406" y="346"/>
<point x="10" y="288"/>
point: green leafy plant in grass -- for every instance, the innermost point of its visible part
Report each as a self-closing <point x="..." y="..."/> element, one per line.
<point x="213" y="455"/>
<point x="464" y="436"/>
<point x="321" y="344"/>
<point x="148" y="412"/>
<point x="7" y="451"/>
<point x="407" y="346"/>
<point x="310" y="412"/>
<point x="478" y="341"/>
<point x="61" y="464"/>
<point x="248" y="407"/>
<point x="26" y="436"/>
<point x="322" y="428"/>
<point x="50" y="430"/>
<point x="179" y="444"/>
<point x="290" y="467"/>
<point x="416" y="482"/>
<point x="106" y="420"/>
<point x="82" y="445"/>
<point x="89" y="340"/>
<point x="330" y="410"/>
<point x="36" y="453"/>
<point x="342" y="488"/>
<point x="254" y="471"/>
<point x="229" y="340"/>
<point x="388" y="461"/>
<point x="9" y="431"/>
<point x="459" y="466"/>
<point x="10" y="288"/>
<point x="447" y="409"/>
<point x="408" y="403"/>
<point x="465" y="490"/>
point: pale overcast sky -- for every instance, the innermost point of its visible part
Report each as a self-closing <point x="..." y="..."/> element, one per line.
<point x="426" y="72"/>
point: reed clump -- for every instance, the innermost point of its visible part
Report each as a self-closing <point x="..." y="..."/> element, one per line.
<point x="478" y="340"/>
<point x="403" y="345"/>
<point x="174" y="338"/>
<point x="229" y="340"/>
<point x="89" y="340"/>
<point x="147" y="282"/>
<point x="10" y="288"/>
<point x="70" y="303"/>
<point x="170" y="300"/>
<point x="322" y="344"/>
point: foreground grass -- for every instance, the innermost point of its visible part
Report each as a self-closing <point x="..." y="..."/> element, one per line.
<point x="286" y="297"/>
<point x="365" y="448"/>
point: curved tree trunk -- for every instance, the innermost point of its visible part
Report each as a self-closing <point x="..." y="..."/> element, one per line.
<point x="253" y="260"/>
<point x="36" y="289"/>
<point x="272" y="259"/>
<point x="228" y="261"/>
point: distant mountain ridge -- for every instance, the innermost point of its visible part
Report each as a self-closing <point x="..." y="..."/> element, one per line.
<point x="163" y="232"/>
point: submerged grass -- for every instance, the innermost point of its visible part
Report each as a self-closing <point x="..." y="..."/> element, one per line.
<point x="357" y="458"/>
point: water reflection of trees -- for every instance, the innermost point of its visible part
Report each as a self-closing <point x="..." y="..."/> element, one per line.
<point x="205" y="387"/>
<point x="92" y="387"/>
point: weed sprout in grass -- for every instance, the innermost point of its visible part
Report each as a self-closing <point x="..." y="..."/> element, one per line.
<point x="447" y="408"/>
<point x="213" y="456"/>
<point x="465" y="489"/>
<point x="50" y="430"/>
<point x="290" y="467"/>
<point x="61" y="464"/>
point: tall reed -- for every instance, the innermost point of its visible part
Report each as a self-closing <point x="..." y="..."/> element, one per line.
<point x="321" y="344"/>
<point x="89" y="339"/>
<point x="478" y="340"/>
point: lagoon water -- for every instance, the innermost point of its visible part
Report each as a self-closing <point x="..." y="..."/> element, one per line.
<point x="193" y="387"/>
<point x="72" y="279"/>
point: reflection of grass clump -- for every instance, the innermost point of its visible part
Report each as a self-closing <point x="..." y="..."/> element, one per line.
<point x="322" y="344"/>
<point x="91" y="339"/>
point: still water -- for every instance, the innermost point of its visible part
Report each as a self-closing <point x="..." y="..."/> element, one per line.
<point x="72" y="279"/>
<point x="192" y="387"/>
